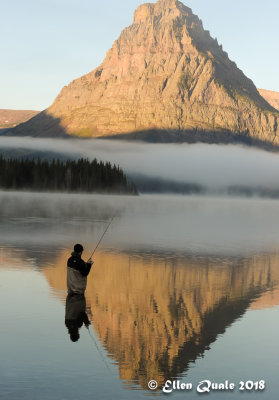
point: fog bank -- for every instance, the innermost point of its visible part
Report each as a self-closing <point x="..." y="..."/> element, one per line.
<point x="213" y="166"/>
<point x="147" y="224"/>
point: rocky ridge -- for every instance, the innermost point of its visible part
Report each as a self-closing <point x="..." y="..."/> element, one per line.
<point x="165" y="73"/>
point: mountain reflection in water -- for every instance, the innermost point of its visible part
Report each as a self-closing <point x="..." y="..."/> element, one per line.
<point x="155" y="315"/>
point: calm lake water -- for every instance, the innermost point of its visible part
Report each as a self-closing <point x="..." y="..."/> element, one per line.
<point x="183" y="289"/>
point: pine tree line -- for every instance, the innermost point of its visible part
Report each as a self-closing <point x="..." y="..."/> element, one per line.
<point x="70" y="176"/>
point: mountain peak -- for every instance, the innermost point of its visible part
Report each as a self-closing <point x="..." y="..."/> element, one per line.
<point x="167" y="3"/>
<point x="173" y="8"/>
<point x="165" y="73"/>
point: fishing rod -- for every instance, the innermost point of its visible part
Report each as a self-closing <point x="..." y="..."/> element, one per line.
<point x="101" y="239"/>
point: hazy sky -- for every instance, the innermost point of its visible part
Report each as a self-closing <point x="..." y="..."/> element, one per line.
<point x="45" y="44"/>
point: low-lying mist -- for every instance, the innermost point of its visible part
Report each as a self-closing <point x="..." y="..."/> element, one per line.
<point x="148" y="224"/>
<point x="215" y="167"/>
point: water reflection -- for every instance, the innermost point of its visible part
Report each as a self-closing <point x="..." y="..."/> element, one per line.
<point x="156" y="315"/>
<point x="75" y="315"/>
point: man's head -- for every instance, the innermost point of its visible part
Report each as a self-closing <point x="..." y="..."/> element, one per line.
<point x="78" y="248"/>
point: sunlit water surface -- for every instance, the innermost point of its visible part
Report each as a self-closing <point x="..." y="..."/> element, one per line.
<point x="183" y="288"/>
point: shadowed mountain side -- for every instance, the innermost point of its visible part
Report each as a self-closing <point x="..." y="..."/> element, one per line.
<point x="194" y="136"/>
<point x="42" y="125"/>
<point x="45" y="126"/>
<point x="156" y="315"/>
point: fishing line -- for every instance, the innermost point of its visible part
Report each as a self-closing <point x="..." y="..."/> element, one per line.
<point x="99" y="351"/>
<point x="101" y="238"/>
<point x="92" y="336"/>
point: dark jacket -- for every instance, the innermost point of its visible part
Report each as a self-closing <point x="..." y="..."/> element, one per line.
<point x="77" y="271"/>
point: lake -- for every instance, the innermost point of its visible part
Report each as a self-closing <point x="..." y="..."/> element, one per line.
<point x="183" y="289"/>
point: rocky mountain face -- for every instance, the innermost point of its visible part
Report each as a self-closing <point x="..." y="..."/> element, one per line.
<point x="166" y="78"/>
<point x="271" y="97"/>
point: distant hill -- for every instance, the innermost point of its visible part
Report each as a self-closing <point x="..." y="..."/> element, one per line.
<point x="12" y="118"/>
<point x="164" y="79"/>
<point x="271" y="97"/>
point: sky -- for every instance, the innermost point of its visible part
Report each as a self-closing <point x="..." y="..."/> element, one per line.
<point x="45" y="44"/>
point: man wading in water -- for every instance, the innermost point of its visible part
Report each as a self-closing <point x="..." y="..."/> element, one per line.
<point x="77" y="271"/>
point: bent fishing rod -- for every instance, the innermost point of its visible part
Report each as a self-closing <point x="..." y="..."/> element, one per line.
<point x="101" y="238"/>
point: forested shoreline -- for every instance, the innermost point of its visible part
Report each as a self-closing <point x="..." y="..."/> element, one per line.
<point x="82" y="176"/>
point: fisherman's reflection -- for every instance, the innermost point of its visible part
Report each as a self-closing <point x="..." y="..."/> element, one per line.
<point x="75" y="315"/>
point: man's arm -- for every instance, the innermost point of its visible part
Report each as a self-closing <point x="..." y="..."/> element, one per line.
<point x="85" y="268"/>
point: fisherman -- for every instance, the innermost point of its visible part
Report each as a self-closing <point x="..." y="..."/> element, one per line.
<point x="77" y="271"/>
